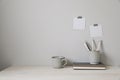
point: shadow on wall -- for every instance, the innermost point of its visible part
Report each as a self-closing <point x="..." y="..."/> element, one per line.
<point x="104" y="57"/>
<point x="4" y="61"/>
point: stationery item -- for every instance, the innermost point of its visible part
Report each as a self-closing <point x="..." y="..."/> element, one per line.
<point x="58" y="61"/>
<point x="88" y="66"/>
<point x="93" y="45"/>
<point x="96" y="30"/>
<point x="99" y="45"/>
<point x="87" y="46"/>
<point x="79" y="23"/>
<point x="94" y="57"/>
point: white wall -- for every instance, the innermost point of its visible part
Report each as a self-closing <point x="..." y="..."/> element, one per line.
<point x="31" y="31"/>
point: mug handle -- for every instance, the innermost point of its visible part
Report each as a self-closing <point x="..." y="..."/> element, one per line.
<point x="65" y="61"/>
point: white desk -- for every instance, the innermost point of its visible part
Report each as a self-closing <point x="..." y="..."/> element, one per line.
<point x="48" y="73"/>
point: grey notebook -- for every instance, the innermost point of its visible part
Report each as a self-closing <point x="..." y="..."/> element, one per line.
<point x="88" y="66"/>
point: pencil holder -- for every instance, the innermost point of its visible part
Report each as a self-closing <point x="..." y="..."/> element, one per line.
<point x="94" y="57"/>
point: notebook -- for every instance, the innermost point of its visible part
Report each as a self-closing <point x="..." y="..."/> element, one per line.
<point x="88" y="66"/>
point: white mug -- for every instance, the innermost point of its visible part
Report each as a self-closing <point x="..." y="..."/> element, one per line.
<point x="58" y="61"/>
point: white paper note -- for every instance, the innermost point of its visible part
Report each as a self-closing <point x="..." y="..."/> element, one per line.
<point x="96" y="31"/>
<point x="79" y="23"/>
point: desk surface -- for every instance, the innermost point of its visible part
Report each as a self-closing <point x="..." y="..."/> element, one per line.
<point x="49" y="73"/>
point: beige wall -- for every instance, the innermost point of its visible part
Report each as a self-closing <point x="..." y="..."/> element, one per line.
<point x="31" y="31"/>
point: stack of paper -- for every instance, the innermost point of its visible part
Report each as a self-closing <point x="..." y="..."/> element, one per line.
<point x="88" y="66"/>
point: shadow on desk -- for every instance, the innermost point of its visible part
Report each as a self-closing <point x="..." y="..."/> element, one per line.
<point x="2" y="67"/>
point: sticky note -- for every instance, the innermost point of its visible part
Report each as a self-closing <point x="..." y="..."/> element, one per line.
<point x="96" y="30"/>
<point x="79" y="23"/>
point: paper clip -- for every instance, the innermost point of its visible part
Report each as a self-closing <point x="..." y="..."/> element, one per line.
<point x="95" y="25"/>
<point x="79" y="17"/>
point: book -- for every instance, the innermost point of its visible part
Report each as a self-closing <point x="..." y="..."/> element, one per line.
<point x="88" y="66"/>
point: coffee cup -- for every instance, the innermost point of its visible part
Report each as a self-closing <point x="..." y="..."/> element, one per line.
<point x="59" y="61"/>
